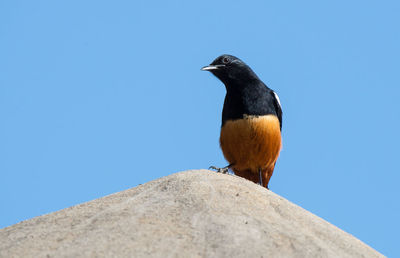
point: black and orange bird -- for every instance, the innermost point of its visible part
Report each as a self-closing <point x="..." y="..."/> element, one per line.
<point x="251" y="121"/>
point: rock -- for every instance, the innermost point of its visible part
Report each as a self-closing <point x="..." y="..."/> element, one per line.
<point x="189" y="214"/>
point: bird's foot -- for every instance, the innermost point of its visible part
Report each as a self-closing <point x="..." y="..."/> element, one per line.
<point x="260" y="176"/>
<point x="223" y="170"/>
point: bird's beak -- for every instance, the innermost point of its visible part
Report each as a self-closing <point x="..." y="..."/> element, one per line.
<point x="212" y="67"/>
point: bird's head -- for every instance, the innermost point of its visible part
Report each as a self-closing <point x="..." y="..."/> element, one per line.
<point x="230" y="70"/>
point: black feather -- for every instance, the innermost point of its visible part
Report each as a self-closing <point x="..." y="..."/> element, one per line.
<point x="246" y="94"/>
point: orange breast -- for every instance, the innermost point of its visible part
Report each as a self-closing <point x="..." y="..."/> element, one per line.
<point x="251" y="143"/>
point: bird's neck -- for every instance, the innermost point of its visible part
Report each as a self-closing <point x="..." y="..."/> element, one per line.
<point x="237" y="81"/>
<point x="243" y="85"/>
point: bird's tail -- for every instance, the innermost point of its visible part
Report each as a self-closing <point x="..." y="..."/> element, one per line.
<point x="248" y="174"/>
<point x="266" y="174"/>
<point x="254" y="176"/>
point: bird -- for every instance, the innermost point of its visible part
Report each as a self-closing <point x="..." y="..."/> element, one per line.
<point x="250" y="136"/>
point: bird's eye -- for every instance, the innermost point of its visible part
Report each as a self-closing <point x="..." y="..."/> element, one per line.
<point x="225" y="60"/>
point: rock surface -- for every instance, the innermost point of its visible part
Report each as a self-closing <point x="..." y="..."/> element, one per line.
<point x="189" y="214"/>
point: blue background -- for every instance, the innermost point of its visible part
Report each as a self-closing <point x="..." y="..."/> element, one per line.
<point x="100" y="96"/>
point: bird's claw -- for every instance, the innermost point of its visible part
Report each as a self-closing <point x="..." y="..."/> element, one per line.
<point x="223" y="170"/>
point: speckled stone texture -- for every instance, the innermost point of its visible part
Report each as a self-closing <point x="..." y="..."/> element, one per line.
<point x="195" y="213"/>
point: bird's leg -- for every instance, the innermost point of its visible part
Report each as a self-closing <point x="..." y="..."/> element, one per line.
<point x="261" y="181"/>
<point x="223" y="170"/>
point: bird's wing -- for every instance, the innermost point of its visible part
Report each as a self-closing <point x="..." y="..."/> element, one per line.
<point x="278" y="108"/>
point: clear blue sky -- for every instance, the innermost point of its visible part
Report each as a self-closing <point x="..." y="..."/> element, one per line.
<point x="100" y="96"/>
